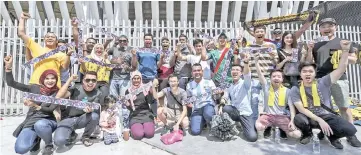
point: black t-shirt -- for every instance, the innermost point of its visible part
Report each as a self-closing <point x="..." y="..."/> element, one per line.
<point x="322" y="53"/>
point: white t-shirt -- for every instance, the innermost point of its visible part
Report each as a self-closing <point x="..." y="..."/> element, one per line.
<point x="192" y="59"/>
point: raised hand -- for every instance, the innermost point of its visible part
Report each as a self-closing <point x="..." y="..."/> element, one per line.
<point x="311" y="45"/>
<point x="8" y="61"/>
<point x="74" y="77"/>
<point x="345" y="44"/>
<point x="134" y="52"/>
<point x="25" y="15"/>
<point x="74" y="22"/>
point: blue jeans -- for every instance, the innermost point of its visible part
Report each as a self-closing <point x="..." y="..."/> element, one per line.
<point x="183" y="81"/>
<point x="26" y="139"/>
<point x="256" y="98"/>
<point x="65" y="127"/>
<point x="199" y="116"/>
<point x="118" y="87"/>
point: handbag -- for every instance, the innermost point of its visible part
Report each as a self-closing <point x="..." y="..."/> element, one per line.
<point x="290" y="68"/>
<point x="172" y="137"/>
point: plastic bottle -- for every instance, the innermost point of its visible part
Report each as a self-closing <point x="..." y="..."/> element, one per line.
<point x="316" y="142"/>
<point x="277" y="136"/>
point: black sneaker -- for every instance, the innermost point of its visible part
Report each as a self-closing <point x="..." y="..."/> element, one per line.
<point x="36" y="147"/>
<point x="48" y="150"/>
<point x="72" y="138"/>
<point x="305" y="139"/>
<point x="336" y="144"/>
<point x="321" y="136"/>
<point x="353" y="141"/>
<point x="267" y="133"/>
<point x="283" y="135"/>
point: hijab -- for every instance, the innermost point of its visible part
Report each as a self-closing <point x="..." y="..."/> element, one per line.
<point x="95" y="56"/>
<point x="45" y="90"/>
<point x="132" y="87"/>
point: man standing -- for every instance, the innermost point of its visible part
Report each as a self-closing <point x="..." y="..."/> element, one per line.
<point x="120" y="78"/>
<point x="182" y="68"/>
<point x="218" y="58"/>
<point x="56" y="62"/>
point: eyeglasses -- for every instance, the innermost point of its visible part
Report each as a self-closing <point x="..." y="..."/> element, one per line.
<point x="122" y="41"/>
<point x="90" y="80"/>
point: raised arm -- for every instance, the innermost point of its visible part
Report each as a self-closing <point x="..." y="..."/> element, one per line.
<point x="204" y="55"/>
<point x="336" y="74"/>
<point x="160" y="61"/>
<point x="302" y="30"/>
<point x="9" y="78"/>
<point x="63" y="92"/>
<point x="310" y="51"/>
<point x="134" y="58"/>
<point x="74" y="24"/>
<point x="21" y="28"/>
<point x="261" y="77"/>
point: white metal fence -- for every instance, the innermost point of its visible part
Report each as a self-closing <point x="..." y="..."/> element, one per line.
<point x="10" y="43"/>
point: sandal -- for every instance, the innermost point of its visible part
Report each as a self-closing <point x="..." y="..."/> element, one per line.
<point x="87" y="141"/>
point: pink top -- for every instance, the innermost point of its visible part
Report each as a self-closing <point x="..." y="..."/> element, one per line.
<point x="108" y="121"/>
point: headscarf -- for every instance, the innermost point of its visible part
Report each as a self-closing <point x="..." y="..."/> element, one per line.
<point x="45" y="90"/>
<point x="94" y="55"/>
<point x="132" y="87"/>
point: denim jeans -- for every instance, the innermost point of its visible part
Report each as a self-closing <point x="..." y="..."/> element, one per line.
<point x="256" y="98"/>
<point x="201" y="116"/>
<point x="65" y="127"/>
<point x="118" y="87"/>
<point x="26" y="139"/>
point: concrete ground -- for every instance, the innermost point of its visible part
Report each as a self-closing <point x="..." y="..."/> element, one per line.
<point x="191" y="145"/>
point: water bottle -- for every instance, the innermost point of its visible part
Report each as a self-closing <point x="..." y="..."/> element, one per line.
<point x="316" y="142"/>
<point x="277" y="136"/>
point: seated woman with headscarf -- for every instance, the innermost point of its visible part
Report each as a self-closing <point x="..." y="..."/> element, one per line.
<point x="141" y="117"/>
<point x="40" y="121"/>
<point x="103" y="76"/>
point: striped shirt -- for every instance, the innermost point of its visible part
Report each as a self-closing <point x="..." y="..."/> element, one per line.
<point x="202" y="91"/>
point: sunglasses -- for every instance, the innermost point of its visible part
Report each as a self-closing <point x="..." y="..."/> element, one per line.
<point x="90" y="80"/>
<point x="277" y="32"/>
<point x="122" y="41"/>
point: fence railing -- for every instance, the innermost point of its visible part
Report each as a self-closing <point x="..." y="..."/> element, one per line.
<point x="10" y="43"/>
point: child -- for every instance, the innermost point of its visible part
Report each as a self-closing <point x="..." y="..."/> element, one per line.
<point x="108" y="120"/>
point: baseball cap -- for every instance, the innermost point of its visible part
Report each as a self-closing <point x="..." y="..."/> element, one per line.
<point x="222" y="34"/>
<point x="328" y="20"/>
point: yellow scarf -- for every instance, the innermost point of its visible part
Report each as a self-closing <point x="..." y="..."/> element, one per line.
<point x="315" y="96"/>
<point x="335" y="59"/>
<point x="281" y="96"/>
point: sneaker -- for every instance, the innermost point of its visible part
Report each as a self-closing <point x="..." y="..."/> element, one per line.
<point x="283" y="135"/>
<point x="353" y="141"/>
<point x="48" y="150"/>
<point x="36" y="147"/>
<point x="305" y="139"/>
<point x="321" y="136"/>
<point x="336" y="144"/>
<point x="267" y="133"/>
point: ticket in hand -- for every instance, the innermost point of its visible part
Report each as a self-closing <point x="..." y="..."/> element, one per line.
<point x="321" y="39"/>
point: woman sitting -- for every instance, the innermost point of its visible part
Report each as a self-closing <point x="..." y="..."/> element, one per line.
<point x="141" y="118"/>
<point x="40" y="121"/>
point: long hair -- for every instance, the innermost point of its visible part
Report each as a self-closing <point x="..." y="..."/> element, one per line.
<point x="294" y="43"/>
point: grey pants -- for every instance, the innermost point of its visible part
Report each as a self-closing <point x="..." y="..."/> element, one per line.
<point x="68" y="125"/>
<point x="248" y="123"/>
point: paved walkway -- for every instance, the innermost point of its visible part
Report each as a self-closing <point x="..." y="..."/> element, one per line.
<point x="191" y="145"/>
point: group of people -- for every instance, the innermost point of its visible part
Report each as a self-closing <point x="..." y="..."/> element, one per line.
<point x="291" y="85"/>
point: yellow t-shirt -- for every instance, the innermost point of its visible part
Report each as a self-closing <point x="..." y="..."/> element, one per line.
<point x="54" y="62"/>
<point x="103" y="73"/>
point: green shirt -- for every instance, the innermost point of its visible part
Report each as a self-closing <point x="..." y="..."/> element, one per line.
<point x="215" y="55"/>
